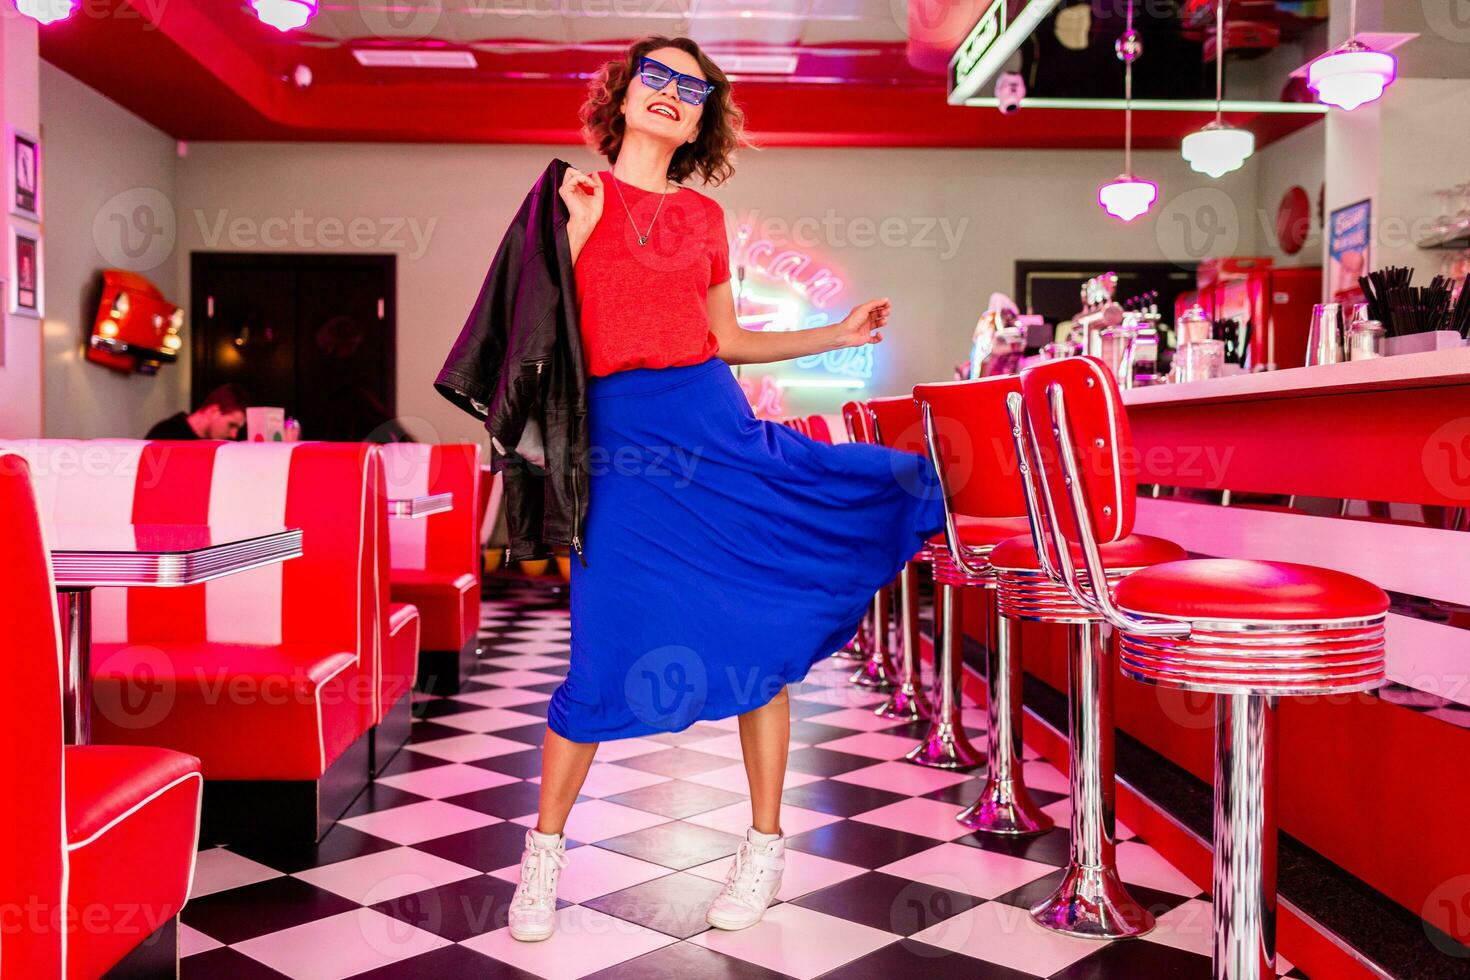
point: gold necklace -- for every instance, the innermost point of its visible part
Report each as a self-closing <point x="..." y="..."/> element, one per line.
<point x="642" y="236"/>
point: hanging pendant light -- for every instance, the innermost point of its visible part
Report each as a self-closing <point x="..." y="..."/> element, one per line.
<point x="285" y="15"/>
<point x="1128" y="196"/>
<point x="46" y="11"/>
<point x="1352" y="74"/>
<point x="1218" y="149"/>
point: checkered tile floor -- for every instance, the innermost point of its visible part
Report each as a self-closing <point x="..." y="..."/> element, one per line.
<point x="880" y="881"/>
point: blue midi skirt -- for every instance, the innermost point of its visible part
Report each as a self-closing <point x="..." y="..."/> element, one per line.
<point x="724" y="554"/>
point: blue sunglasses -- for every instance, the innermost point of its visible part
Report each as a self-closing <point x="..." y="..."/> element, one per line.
<point x="657" y="76"/>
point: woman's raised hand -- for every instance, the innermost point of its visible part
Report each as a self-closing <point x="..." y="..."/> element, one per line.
<point x="583" y="196"/>
<point x="863" y="324"/>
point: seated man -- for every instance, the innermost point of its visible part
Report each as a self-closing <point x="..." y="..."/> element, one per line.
<point x="220" y="416"/>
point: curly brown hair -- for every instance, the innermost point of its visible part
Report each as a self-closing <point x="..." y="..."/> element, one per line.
<point x="721" y="128"/>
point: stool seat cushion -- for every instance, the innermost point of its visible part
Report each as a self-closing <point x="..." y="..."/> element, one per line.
<point x="1229" y="589"/>
<point x="985" y="532"/>
<point x="1134" y="551"/>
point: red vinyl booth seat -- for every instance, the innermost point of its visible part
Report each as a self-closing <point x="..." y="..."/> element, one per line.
<point x="448" y="605"/>
<point x="267" y="674"/>
<point x="436" y="559"/>
<point x="131" y="811"/>
<point x="97" y="842"/>
<point x="401" y="652"/>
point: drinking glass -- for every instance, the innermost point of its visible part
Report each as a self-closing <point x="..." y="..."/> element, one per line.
<point x="1199" y="360"/>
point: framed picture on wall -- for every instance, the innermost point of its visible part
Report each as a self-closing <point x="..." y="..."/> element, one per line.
<point x="1349" y="246"/>
<point x="25" y="273"/>
<point x="25" y="175"/>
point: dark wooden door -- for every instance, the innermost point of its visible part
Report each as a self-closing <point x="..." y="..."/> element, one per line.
<point x="313" y="334"/>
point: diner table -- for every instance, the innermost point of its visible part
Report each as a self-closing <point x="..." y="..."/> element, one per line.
<point x="86" y="557"/>
<point x="420" y="506"/>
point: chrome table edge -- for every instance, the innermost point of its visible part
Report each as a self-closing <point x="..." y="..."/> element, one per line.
<point x="411" y="507"/>
<point x="78" y="568"/>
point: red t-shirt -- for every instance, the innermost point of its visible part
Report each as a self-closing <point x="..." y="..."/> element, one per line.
<point x="646" y="306"/>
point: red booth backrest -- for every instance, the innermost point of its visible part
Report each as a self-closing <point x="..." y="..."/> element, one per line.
<point x="33" y="869"/>
<point x="446" y="542"/>
<point x="976" y="448"/>
<point x="331" y="596"/>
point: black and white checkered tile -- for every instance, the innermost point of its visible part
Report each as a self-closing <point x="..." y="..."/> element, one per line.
<point x="880" y="880"/>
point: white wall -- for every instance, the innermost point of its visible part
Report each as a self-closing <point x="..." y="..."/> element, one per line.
<point x="20" y="337"/>
<point x="1425" y="126"/>
<point x="106" y="172"/>
<point x="1000" y="206"/>
<point x="1295" y="161"/>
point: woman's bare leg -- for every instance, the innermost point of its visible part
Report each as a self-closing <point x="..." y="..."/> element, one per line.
<point x="564" y="766"/>
<point x="765" y="737"/>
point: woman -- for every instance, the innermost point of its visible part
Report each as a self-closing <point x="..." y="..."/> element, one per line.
<point x="724" y="555"/>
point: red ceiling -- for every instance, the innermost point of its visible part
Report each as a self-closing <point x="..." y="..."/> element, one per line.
<point x="207" y="70"/>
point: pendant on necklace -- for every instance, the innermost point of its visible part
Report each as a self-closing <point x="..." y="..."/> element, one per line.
<point x="642" y="239"/>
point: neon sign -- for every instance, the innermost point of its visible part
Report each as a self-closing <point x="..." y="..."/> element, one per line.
<point x="783" y="288"/>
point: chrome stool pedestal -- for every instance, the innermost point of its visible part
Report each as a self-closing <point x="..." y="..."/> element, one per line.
<point x="1092" y="902"/>
<point x="947" y="746"/>
<point x="907" y="702"/>
<point x="1244" y="946"/>
<point x="877" y="673"/>
<point x="1004" y="806"/>
<point x="1250" y="666"/>
<point x="1246" y="631"/>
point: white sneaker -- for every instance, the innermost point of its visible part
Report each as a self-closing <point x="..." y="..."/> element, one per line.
<point x="752" y="883"/>
<point x="533" y="909"/>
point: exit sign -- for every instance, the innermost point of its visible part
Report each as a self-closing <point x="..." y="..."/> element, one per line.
<point x="991" y="42"/>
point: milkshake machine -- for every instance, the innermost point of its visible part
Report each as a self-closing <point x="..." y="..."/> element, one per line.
<point x="1126" y="340"/>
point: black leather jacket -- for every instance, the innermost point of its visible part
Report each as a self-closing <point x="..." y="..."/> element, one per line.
<point x="517" y="365"/>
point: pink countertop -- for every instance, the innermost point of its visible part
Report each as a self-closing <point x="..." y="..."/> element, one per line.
<point x="1426" y="370"/>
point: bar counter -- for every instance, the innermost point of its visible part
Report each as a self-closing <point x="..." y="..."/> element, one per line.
<point x="1252" y="466"/>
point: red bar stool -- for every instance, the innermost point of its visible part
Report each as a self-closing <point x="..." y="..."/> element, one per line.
<point x="871" y="643"/>
<point x="1250" y="632"/>
<point x="1091" y="901"/>
<point x="895" y="424"/>
<point x="818" y="429"/>
<point x="970" y="443"/>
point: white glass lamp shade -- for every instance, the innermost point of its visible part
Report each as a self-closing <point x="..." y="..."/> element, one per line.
<point x="1127" y="197"/>
<point x="1351" y="76"/>
<point x="285" y="15"/>
<point x="1218" y="149"/>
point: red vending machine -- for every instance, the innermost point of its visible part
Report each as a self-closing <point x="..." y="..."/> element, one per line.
<point x="1272" y="306"/>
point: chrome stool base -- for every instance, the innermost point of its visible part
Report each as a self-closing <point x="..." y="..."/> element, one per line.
<point x="1004" y="807"/>
<point x="907" y="702"/>
<point x="946" y="746"/>
<point x="876" y="672"/>
<point x="1092" y="903"/>
<point x="871" y="676"/>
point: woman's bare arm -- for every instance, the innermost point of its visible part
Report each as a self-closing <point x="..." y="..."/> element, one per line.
<point x="741" y="346"/>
